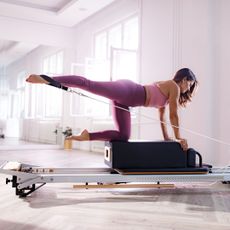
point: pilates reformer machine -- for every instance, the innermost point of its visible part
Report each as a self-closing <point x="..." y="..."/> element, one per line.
<point x="131" y="165"/>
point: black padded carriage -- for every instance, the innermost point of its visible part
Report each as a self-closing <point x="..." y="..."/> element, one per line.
<point x="155" y="157"/>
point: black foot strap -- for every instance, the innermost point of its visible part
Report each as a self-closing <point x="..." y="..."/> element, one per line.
<point x="54" y="83"/>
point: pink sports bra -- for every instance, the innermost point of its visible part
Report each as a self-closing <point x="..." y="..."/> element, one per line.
<point x="154" y="97"/>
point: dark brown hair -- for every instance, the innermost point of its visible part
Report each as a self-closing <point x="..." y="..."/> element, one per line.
<point x="190" y="76"/>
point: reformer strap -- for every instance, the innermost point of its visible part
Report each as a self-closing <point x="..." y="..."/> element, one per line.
<point x="54" y="83"/>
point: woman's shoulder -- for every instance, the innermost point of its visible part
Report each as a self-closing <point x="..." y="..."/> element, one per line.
<point x="169" y="84"/>
<point x="170" y="88"/>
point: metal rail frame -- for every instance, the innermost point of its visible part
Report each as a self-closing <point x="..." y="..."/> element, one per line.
<point x="31" y="178"/>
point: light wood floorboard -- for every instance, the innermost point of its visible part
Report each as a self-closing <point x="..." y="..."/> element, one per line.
<point x="59" y="206"/>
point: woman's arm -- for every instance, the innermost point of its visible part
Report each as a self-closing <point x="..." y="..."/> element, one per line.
<point x="174" y="93"/>
<point x="163" y="123"/>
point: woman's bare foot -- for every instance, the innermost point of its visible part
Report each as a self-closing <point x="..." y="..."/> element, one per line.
<point x="34" y="78"/>
<point x="84" y="136"/>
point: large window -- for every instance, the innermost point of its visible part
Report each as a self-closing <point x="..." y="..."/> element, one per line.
<point x="16" y="98"/>
<point x="3" y="105"/>
<point x="4" y="89"/>
<point x="123" y="35"/>
<point x="44" y="101"/>
<point x="115" y="57"/>
<point x="53" y="65"/>
<point x="123" y="64"/>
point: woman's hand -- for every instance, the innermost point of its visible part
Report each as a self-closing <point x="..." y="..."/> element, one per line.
<point x="183" y="143"/>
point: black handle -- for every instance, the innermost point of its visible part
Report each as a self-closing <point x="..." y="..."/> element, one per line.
<point x="8" y="180"/>
<point x="200" y="159"/>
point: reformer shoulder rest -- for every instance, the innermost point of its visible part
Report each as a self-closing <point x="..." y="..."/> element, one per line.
<point x="152" y="156"/>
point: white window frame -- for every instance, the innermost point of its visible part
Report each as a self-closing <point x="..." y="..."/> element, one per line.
<point x="55" y="68"/>
<point x="37" y="96"/>
<point x="89" y="107"/>
<point x="16" y="98"/>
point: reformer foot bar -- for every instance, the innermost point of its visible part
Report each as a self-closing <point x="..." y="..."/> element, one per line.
<point x="28" y="178"/>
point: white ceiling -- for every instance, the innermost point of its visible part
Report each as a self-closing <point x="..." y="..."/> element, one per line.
<point x="62" y="13"/>
<point x="11" y="51"/>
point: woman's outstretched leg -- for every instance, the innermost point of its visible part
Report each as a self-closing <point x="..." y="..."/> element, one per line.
<point x="122" y="91"/>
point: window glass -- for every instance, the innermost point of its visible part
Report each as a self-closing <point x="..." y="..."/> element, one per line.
<point x="3" y="105"/>
<point x="124" y="64"/>
<point x="115" y="57"/>
<point x="46" y="65"/>
<point x="16" y="98"/>
<point x="43" y="101"/>
<point x="59" y="68"/>
<point x="101" y="46"/>
<point x="115" y="38"/>
<point x="131" y="34"/>
<point x="52" y="97"/>
<point x="53" y="102"/>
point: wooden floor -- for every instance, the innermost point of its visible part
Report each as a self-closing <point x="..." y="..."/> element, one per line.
<point x="59" y="206"/>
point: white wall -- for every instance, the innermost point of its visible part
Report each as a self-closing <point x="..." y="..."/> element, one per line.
<point x="197" y="51"/>
<point x="222" y="80"/>
<point x="194" y="34"/>
<point x="156" y="55"/>
<point x="34" y="32"/>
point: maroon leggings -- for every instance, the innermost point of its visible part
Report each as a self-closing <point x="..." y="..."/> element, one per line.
<point x="123" y="93"/>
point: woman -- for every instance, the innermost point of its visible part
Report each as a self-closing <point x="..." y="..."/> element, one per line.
<point x="124" y="94"/>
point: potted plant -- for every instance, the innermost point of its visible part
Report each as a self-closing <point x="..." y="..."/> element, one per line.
<point x="67" y="133"/>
